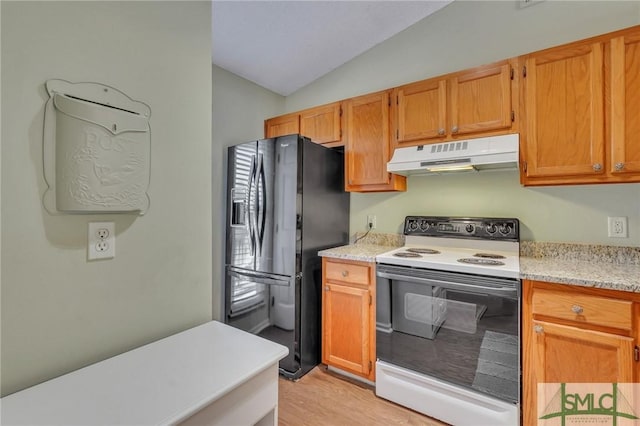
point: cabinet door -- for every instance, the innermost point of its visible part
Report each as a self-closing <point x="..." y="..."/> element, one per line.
<point x="420" y="111"/>
<point x="565" y="111"/>
<point x="346" y="320"/>
<point x="367" y="147"/>
<point x="322" y="124"/>
<point x="565" y="354"/>
<point x="625" y="104"/>
<point x="281" y="126"/>
<point x="481" y="100"/>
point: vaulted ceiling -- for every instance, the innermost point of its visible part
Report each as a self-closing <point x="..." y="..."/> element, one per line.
<point x="285" y="45"/>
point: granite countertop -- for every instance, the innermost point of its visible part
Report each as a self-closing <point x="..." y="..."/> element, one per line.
<point x="607" y="267"/>
<point x="586" y="274"/>
<point x="587" y="265"/>
<point x="362" y="252"/>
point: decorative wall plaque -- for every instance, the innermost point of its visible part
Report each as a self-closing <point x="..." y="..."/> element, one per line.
<point x="96" y="150"/>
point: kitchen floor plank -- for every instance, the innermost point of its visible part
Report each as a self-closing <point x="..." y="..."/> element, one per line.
<point x="326" y="398"/>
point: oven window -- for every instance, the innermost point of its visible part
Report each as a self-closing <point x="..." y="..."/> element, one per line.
<point x="469" y="338"/>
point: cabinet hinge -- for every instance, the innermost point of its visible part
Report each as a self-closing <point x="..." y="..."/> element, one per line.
<point x="524" y="71"/>
<point x="512" y="73"/>
<point x="513" y="116"/>
<point x="340" y="111"/>
<point x="397" y="134"/>
<point x="389" y="100"/>
<point x="397" y="100"/>
<point x="370" y="300"/>
<point x="340" y="133"/>
<point x="370" y="366"/>
<point x="636" y="353"/>
<point x="524" y="166"/>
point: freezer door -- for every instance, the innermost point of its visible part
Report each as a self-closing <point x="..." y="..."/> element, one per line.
<point x="241" y="205"/>
<point x="252" y="304"/>
<point x="249" y="290"/>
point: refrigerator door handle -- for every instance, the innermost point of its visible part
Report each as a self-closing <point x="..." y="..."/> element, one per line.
<point x="262" y="278"/>
<point x="263" y="194"/>
<point x="250" y="218"/>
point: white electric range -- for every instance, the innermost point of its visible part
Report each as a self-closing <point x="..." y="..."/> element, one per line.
<point x="448" y="320"/>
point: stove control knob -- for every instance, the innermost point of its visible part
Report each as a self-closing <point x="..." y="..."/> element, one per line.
<point x="505" y="229"/>
<point x="491" y="229"/>
<point x="424" y="225"/>
<point x="469" y="228"/>
<point x="413" y="226"/>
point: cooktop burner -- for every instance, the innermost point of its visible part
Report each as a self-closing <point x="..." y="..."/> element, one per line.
<point x="422" y="250"/>
<point x="489" y="256"/>
<point x="483" y="262"/>
<point x="406" y="254"/>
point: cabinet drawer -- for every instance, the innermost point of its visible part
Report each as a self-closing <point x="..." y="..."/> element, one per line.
<point x="583" y="308"/>
<point x="347" y="272"/>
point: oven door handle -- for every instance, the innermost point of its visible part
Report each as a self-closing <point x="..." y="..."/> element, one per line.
<point x="496" y="291"/>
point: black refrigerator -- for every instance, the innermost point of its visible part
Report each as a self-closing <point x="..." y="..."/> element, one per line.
<point x="285" y="202"/>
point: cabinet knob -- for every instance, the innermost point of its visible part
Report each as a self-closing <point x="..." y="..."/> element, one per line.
<point x="345" y="273"/>
<point x="597" y="167"/>
<point x="454" y="129"/>
<point x="326" y="288"/>
<point x="538" y="329"/>
<point x="577" y="309"/>
<point x="441" y="131"/>
<point x="619" y="166"/>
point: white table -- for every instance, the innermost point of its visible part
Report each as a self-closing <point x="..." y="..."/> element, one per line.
<point x="209" y="374"/>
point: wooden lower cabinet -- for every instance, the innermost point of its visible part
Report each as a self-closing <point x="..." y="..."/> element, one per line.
<point x="348" y="316"/>
<point x="576" y="335"/>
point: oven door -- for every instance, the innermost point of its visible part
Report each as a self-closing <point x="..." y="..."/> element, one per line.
<point x="459" y="328"/>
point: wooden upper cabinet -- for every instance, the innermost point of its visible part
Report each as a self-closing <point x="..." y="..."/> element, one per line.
<point x="323" y="124"/>
<point x="625" y="104"/>
<point x="481" y="100"/>
<point x="283" y="125"/>
<point x="581" y="102"/>
<point x="420" y="111"/>
<point x="471" y="103"/>
<point x="564" y="100"/>
<point x="367" y="145"/>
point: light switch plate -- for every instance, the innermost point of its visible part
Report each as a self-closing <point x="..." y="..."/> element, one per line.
<point x="101" y="240"/>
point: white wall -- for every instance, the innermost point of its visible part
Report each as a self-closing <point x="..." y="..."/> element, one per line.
<point x="466" y="34"/>
<point x="59" y="311"/>
<point x="239" y="110"/>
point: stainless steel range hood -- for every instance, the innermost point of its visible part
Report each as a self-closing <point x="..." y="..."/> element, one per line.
<point x="490" y="153"/>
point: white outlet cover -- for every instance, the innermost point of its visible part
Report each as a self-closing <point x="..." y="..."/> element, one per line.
<point x="101" y="241"/>
<point x="617" y="227"/>
<point x="371" y="219"/>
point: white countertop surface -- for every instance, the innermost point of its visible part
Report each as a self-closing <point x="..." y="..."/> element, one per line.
<point x="160" y="383"/>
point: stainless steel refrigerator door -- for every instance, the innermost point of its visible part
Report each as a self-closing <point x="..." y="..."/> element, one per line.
<point x="241" y="219"/>
<point x="279" y="246"/>
<point x="278" y="186"/>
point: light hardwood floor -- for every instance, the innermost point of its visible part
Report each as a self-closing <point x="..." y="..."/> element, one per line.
<point x="325" y="398"/>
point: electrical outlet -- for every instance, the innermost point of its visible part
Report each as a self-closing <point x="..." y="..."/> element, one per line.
<point x="101" y="240"/>
<point x="102" y="246"/>
<point x="371" y="221"/>
<point x="617" y="227"/>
